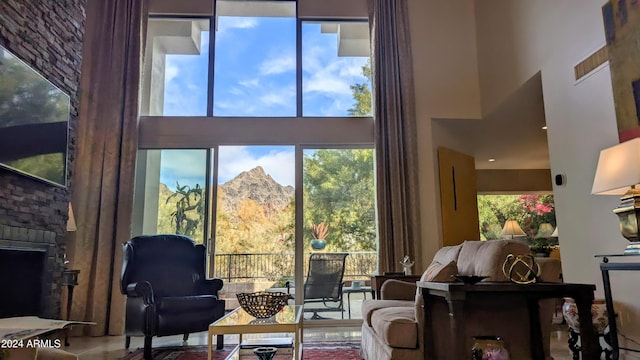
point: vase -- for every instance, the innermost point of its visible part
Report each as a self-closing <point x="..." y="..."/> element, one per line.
<point x="265" y="353"/>
<point x="318" y="244"/>
<point x="599" y="315"/>
<point x="488" y="348"/>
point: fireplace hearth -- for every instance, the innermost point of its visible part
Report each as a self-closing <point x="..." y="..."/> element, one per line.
<point x="21" y="283"/>
<point x="31" y="273"/>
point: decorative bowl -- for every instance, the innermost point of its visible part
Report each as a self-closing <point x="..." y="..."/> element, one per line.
<point x="265" y="353"/>
<point x="469" y="279"/>
<point x="262" y="304"/>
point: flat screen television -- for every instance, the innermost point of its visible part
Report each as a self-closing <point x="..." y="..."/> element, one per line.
<point x="34" y="122"/>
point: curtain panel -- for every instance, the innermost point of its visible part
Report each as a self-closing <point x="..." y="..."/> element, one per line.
<point x="395" y="134"/>
<point x="103" y="169"/>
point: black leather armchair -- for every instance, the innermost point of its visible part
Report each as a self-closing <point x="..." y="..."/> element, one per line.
<point x="167" y="291"/>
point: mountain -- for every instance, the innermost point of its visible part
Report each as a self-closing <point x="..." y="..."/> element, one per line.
<point x="258" y="186"/>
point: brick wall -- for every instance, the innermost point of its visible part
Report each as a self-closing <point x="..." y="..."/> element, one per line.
<point x="48" y="36"/>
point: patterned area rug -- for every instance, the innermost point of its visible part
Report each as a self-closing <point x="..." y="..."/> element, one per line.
<point x="311" y="351"/>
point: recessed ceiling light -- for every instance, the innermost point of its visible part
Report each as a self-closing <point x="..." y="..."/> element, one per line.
<point x="544" y="127"/>
<point x="492" y="160"/>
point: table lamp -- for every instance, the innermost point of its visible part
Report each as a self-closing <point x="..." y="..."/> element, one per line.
<point x="511" y="228"/>
<point x="545" y="230"/>
<point x="618" y="173"/>
<point x="71" y="221"/>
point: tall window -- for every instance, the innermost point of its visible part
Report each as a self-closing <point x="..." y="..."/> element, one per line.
<point x="247" y="115"/>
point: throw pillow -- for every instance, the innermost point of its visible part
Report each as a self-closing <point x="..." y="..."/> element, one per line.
<point x="438" y="272"/>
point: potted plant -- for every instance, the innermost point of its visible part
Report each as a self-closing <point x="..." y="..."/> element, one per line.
<point x="318" y="234"/>
<point x="541" y="247"/>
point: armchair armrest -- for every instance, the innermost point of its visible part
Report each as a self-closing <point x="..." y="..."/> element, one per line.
<point x="398" y="290"/>
<point x="209" y="286"/>
<point x="141" y="289"/>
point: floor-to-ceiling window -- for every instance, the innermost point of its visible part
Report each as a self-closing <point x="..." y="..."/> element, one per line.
<point x="250" y="110"/>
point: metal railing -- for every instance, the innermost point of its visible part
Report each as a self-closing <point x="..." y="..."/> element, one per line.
<point x="280" y="266"/>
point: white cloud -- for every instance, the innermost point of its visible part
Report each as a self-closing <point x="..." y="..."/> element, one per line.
<point x="250" y="83"/>
<point x="170" y="71"/>
<point x="278" y="65"/>
<point x="235" y="22"/>
<point x="278" y="163"/>
<point x="228" y="23"/>
<point x="282" y="97"/>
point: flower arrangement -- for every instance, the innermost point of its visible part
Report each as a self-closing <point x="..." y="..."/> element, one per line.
<point x="319" y="231"/>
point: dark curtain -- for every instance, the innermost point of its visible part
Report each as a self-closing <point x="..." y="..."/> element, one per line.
<point x="103" y="169"/>
<point x="395" y="133"/>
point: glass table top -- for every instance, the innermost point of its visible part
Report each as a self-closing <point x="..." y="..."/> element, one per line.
<point x="290" y="314"/>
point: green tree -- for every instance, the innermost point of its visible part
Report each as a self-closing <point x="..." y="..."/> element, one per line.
<point x="528" y="210"/>
<point x="362" y="95"/>
<point x="339" y="190"/>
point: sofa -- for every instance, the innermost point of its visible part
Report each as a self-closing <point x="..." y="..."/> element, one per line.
<point x="393" y="327"/>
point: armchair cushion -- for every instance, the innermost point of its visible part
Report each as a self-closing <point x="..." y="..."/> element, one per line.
<point x="181" y="304"/>
<point x="397" y="325"/>
<point x="369" y="307"/>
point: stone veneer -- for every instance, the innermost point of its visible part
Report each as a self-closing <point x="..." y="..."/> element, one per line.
<point x="48" y="36"/>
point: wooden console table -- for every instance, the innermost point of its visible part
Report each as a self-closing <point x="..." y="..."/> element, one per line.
<point x="605" y="267"/>
<point x="457" y="294"/>
<point x="378" y="280"/>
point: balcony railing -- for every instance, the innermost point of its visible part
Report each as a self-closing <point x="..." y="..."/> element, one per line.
<point x="280" y="266"/>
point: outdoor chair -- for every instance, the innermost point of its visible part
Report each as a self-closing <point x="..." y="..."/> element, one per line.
<point x="167" y="291"/>
<point x="323" y="286"/>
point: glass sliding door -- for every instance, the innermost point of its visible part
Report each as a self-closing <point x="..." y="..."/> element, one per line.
<point x="254" y="222"/>
<point x="339" y="206"/>
<point x="170" y="194"/>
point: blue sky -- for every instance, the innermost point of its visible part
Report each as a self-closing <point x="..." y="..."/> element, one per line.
<point x="255" y="71"/>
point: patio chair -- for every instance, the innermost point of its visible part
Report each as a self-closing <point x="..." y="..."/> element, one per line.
<point x="323" y="285"/>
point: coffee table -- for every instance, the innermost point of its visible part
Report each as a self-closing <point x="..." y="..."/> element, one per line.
<point x="238" y="321"/>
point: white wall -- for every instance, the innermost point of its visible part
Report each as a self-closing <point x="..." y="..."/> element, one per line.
<point x="446" y="83"/>
<point x="515" y="40"/>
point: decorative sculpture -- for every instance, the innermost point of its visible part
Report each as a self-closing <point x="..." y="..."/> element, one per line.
<point x="521" y="269"/>
<point x="407" y="264"/>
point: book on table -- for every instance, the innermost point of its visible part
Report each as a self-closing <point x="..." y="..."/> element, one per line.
<point x="283" y="344"/>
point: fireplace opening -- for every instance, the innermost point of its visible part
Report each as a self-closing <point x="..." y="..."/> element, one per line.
<point x="21" y="282"/>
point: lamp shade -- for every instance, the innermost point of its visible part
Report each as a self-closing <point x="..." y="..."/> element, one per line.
<point x="511" y="229"/>
<point x="71" y="222"/>
<point x="545" y="230"/>
<point x="618" y="168"/>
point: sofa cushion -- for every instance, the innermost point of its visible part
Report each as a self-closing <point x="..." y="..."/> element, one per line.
<point x="447" y="253"/>
<point x="440" y="272"/>
<point x="370" y="306"/>
<point x="397" y="326"/>
<point x="486" y="258"/>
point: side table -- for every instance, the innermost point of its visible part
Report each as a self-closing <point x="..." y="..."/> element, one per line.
<point x="605" y="267"/>
<point x="70" y="279"/>
<point x="351" y="290"/>
<point x="378" y="280"/>
<point x="459" y="298"/>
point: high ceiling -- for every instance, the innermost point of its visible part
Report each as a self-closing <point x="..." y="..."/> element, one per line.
<point x="511" y="134"/>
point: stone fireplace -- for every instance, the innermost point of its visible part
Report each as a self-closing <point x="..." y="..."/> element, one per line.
<point x="31" y="273"/>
